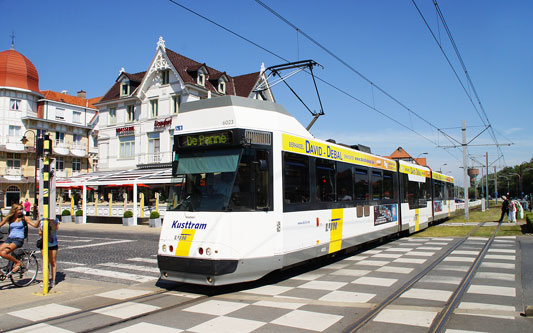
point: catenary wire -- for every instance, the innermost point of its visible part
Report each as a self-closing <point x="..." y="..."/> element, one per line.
<point x="318" y="78"/>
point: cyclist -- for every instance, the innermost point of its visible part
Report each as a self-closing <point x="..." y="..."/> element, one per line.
<point x="16" y="220"/>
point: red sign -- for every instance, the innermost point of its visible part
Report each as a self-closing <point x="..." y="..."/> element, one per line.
<point x="126" y="130"/>
<point x="159" y="125"/>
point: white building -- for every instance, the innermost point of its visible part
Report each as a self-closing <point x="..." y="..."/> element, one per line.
<point x="137" y="114"/>
<point x="25" y="111"/>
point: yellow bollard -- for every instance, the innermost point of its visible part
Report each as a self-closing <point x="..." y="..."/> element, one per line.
<point x="142" y="204"/>
<point x="96" y="204"/>
<point x="72" y="205"/>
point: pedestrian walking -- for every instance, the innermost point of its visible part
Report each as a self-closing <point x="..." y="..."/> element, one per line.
<point x="27" y="207"/>
<point x="505" y="208"/>
<point x="53" y="246"/>
<point x="512" y="211"/>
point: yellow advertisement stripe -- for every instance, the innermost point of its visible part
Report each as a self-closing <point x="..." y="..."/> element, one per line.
<point x="185" y="242"/>
<point x="414" y="171"/>
<point x="335" y="227"/>
<point x="308" y="147"/>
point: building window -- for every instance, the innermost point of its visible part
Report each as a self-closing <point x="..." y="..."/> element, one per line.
<point x="76" y="139"/>
<point x="112" y="116"/>
<point x="171" y="139"/>
<point x="201" y="79"/>
<point x="176" y="101"/>
<point x="125" y="88"/>
<point x="13" y="161"/>
<point x="127" y="147"/>
<point x="76" y="117"/>
<point x="154" y="148"/>
<point x="60" y="137"/>
<point x="14" y="131"/>
<point x="60" y="114"/>
<point x="165" y="77"/>
<point x="95" y="164"/>
<point x="60" y="164"/>
<point x="153" y="108"/>
<point x="130" y="113"/>
<point x="222" y="87"/>
<point x="14" y="104"/>
<point x="76" y="164"/>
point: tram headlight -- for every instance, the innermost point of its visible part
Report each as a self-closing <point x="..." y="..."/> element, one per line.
<point x="208" y="251"/>
<point x="164" y="248"/>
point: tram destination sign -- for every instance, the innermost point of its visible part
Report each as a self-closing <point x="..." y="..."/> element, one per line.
<point x="211" y="139"/>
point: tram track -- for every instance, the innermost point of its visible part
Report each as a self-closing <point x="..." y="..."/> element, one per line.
<point x="438" y="324"/>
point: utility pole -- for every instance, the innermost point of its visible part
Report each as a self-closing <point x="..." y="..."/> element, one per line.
<point x="487" y="180"/>
<point x="465" y="168"/>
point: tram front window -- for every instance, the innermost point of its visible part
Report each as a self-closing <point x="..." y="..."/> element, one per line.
<point x="216" y="181"/>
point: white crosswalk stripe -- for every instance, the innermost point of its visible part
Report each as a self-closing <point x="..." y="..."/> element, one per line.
<point x="111" y="274"/>
<point x="132" y="267"/>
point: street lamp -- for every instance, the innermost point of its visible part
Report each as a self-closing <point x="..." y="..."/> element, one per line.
<point x="519" y="182"/>
<point x="421" y="154"/>
<point x="440" y="170"/>
<point x="24" y="140"/>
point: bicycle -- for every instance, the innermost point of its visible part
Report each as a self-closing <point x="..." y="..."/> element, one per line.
<point x="27" y="273"/>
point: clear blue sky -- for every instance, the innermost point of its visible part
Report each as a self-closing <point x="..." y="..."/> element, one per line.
<point x="82" y="45"/>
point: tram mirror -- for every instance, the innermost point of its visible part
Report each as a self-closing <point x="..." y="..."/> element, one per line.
<point x="263" y="166"/>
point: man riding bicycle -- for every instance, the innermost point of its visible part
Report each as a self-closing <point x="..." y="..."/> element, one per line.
<point x="17" y="223"/>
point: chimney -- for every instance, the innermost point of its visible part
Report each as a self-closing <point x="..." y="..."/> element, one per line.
<point x="82" y="94"/>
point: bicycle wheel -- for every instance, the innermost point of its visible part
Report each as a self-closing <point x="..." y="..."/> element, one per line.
<point x="28" y="272"/>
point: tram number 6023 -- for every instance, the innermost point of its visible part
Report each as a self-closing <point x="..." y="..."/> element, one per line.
<point x="227" y="122"/>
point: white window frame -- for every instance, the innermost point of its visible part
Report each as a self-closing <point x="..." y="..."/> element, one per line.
<point x="130" y="113"/>
<point x="201" y="79"/>
<point x="14" y="131"/>
<point x="222" y="87"/>
<point x="125" y="84"/>
<point x="14" y="104"/>
<point x="165" y="77"/>
<point x="60" y="114"/>
<point x="127" y="147"/>
<point x="60" y="137"/>
<point x="60" y="163"/>
<point x="13" y="161"/>
<point x="112" y="116"/>
<point x="76" y="117"/>
<point x="154" y="108"/>
<point x="176" y="102"/>
<point x="76" y="164"/>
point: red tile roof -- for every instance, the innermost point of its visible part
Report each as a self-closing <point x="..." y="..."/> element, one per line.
<point x="65" y="98"/>
<point x="18" y="71"/>
<point x="399" y="153"/>
<point x="187" y="70"/>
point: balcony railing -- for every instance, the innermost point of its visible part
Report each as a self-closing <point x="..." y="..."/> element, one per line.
<point x="13" y="172"/>
<point x="154" y="158"/>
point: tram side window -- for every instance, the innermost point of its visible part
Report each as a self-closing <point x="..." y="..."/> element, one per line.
<point x="428" y="189"/>
<point x="361" y="184"/>
<point x="344" y="182"/>
<point x="449" y="188"/>
<point x="388" y="185"/>
<point x="439" y="190"/>
<point x="296" y="187"/>
<point x="377" y="185"/>
<point x="325" y="180"/>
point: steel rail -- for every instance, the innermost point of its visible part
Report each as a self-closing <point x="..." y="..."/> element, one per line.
<point x="387" y="301"/>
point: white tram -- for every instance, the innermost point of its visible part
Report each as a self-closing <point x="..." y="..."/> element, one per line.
<point x="253" y="191"/>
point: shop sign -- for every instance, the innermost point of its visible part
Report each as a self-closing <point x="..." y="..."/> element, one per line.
<point x="162" y="124"/>
<point x="128" y="130"/>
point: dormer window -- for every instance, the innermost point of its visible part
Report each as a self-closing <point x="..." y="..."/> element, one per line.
<point x="222" y="86"/>
<point x="125" y="88"/>
<point x="165" y="76"/>
<point x="201" y="79"/>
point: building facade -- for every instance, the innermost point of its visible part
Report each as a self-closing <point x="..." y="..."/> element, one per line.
<point x="26" y="112"/>
<point x="137" y="114"/>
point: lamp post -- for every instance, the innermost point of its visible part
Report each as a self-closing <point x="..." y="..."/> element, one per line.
<point x="24" y="140"/>
<point x="519" y="183"/>
<point x="440" y="170"/>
